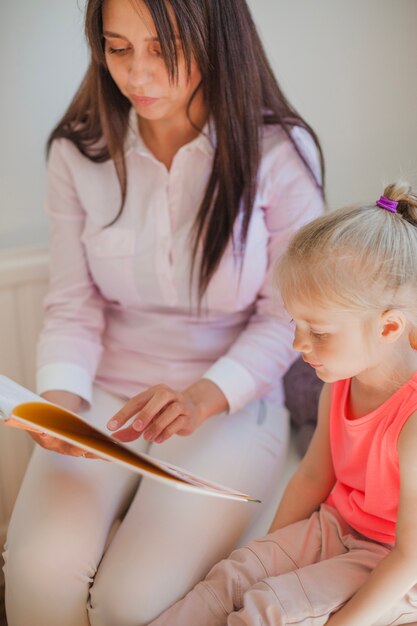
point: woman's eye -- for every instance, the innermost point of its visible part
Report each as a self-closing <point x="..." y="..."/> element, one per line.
<point x="319" y="335"/>
<point x="118" y="51"/>
<point x="156" y="51"/>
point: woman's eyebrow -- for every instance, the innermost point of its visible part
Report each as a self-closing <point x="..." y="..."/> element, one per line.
<point x="109" y="33"/>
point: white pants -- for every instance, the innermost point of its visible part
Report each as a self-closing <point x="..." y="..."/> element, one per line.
<point x="62" y="567"/>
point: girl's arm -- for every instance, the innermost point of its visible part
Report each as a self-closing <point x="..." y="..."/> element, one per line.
<point x="397" y="573"/>
<point x="315" y="477"/>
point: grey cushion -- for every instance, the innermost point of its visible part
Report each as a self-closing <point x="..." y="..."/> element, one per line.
<point x="302" y="390"/>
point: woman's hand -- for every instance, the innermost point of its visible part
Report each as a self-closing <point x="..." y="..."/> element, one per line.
<point x="73" y="403"/>
<point x="160" y="412"/>
<point x="56" y="445"/>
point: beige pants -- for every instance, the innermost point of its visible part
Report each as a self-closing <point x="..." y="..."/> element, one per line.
<point x="57" y="573"/>
<point x="297" y="575"/>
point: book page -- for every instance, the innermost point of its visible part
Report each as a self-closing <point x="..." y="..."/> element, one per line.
<point x="59" y="422"/>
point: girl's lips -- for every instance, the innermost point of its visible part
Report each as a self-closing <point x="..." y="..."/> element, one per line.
<point x="315" y="365"/>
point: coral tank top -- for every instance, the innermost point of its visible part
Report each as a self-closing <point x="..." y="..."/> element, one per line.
<point x="365" y="458"/>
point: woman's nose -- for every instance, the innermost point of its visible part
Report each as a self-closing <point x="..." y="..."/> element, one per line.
<point x="140" y="71"/>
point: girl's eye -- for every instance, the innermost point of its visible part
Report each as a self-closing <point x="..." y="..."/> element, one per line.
<point x="318" y="335"/>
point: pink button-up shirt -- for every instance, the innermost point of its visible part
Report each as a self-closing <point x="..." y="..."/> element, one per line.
<point x="120" y="310"/>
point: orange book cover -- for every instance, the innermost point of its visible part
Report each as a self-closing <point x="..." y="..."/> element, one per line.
<point x="20" y="408"/>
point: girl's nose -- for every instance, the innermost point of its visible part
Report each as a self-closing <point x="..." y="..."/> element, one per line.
<point x="301" y="342"/>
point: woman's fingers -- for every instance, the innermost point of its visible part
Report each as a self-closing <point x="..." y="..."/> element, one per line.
<point x="144" y="407"/>
<point x="158" y="413"/>
<point x="172" y="413"/>
<point x="180" y="426"/>
<point x="46" y="441"/>
<point x="20" y="426"/>
<point x="62" y="447"/>
<point x="132" y="407"/>
<point x="131" y="432"/>
<point x="157" y="403"/>
<point x="125" y="435"/>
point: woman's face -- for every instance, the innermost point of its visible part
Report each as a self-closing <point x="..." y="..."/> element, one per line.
<point x="134" y="60"/>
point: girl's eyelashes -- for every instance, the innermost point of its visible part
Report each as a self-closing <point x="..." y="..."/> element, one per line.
<point x="313" y="333"/>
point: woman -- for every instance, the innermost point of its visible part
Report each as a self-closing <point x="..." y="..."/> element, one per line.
<point x="176" y="177"/>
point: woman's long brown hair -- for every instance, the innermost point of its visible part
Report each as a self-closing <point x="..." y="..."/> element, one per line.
<point x="240" y="90"/>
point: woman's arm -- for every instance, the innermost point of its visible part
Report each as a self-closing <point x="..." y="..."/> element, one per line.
<point x="263" y="351"/>
<point x="70" y="341"/>
<point x="315" y="477"/>
<point x="397" y="573"/>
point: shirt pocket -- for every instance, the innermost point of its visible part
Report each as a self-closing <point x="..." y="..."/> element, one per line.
<point x="111" y="259"/>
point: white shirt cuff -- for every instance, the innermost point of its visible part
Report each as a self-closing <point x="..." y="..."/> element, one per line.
<point x="237" y="384"/>
<point x="65" y="377"/>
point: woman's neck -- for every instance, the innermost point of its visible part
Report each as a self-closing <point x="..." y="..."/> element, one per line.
<point x="165" y="137"/>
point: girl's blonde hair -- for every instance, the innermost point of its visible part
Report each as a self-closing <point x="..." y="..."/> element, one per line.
<point x="356" y="258"/>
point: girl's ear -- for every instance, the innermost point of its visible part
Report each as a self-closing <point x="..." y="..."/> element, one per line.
<point x="412" y="337"/>
<point x="393" y="324"/>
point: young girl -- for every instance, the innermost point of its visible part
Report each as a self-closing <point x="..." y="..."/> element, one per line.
<point x="342" y="549"/>
<point x="176" y="177"/>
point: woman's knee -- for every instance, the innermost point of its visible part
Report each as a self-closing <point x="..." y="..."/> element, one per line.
<point x="133" y="600"/>
<point x="34" y="563"/>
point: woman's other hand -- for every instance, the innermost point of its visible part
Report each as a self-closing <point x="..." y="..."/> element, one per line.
<point x="160" y="412"/>
<point x="73" y="403"/>
<point x="56" y="445"/>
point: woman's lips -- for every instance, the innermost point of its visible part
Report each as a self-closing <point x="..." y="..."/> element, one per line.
<point x="144" y="100"/>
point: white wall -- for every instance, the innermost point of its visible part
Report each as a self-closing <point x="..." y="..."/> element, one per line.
<point x="349" y="66"/>
<point x="43" y="58"/>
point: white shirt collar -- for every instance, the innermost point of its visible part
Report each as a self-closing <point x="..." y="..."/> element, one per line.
<point x="205" y="141"/>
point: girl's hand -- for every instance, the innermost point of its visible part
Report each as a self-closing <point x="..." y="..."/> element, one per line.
<point x="160" y="412"/>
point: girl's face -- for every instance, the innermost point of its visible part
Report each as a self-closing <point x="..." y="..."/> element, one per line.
<point x="336" y="343"/>
<point x="134" y="60"/>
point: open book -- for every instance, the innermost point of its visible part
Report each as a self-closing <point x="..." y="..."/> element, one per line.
<point x="21" y="408"/>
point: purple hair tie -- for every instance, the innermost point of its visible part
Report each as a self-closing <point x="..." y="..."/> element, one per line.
<point x="386" y="203"/>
